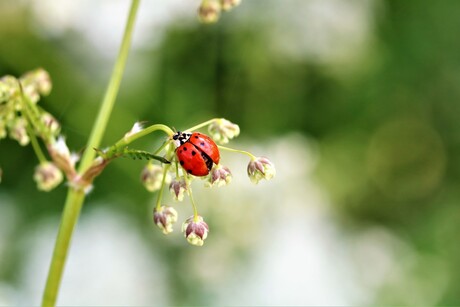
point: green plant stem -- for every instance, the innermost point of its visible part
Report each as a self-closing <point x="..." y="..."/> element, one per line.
<point x="202" y="124"/>
<point x="75" y="198"/>
<point x="238" y="151"/>
<point x="190" y="194"/>
<point x="69" y="219"/>
<point x="37" y="149"/>
<point x="112" y="90"/>
<point x="163" y="181"/>
<point x="127" y="140"/>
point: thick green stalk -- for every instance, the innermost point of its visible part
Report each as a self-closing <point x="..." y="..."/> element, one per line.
<point x="69" y="219"/>
<point x="75" y="198"/>
<point x="112" y="90"/>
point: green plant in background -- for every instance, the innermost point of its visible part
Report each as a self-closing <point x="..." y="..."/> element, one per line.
<point x="22" y="119"/>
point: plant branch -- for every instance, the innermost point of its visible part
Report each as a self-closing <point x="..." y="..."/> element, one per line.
<point x="75" y="198"/>
<point x="111" y="93"/>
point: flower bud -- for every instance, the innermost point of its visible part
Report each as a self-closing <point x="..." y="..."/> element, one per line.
<point x="51" y="123"/>
<point x="219" y="176"/>
<point x="8" y="88"/>
<point x="137" y="127"/>
<point x="223" y="130"/>
<point x="62" y="157"/>
<point x="229" y="4"/>
<point x="261" y="168"/>
<point x="42" y="81"/>
<point x="195" y="230"/>
<point x="177" y="189"/>
<point x="152" y="176"/>
<point x="209" y="11"/>
<point x="36" y="82"/>
<point x="18" y="131"/>
<point x="47" y="176"/>
<point x="164" y="218"/>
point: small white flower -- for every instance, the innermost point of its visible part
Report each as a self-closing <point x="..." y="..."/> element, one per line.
<point x="137" y="127"/>
<point x="209" y="11"/>
<point x="60" y="147"/>
<point x="219" y="176"/>
<point x="47" y="176"/>
<point x="18" y="131"/>
<point x="51" y="123"/>
<point x="261" y="168"/>
<point x="164" y="218"/>
<point x="195" y="231"/>
<point x="152" y="176"/>
<point x="229" y="4"/>
<point x="178" y="188"/>
<point x="222" y="130"/>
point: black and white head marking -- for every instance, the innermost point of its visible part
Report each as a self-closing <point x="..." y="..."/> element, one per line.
<point x="181" y="137"/>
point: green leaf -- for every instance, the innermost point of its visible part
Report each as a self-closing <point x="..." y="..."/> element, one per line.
<point x="141" y="154"/>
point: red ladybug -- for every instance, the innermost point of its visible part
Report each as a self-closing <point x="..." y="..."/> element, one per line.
<point x="196" y="152"/>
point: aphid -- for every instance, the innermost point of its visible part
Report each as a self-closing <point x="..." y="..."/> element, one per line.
<point x="196" y="152"/>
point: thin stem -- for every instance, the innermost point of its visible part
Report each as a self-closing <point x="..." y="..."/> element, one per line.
<point x="37" y="149"/>
<point x="202" y="124"/>
<point x="238" y="151"/>
<point x="160" y="192"/>
<point x="75" y="197"/>
<point x="190" y="194"/>
<point x="111" y="93"/>
<point x="131" y="138"/>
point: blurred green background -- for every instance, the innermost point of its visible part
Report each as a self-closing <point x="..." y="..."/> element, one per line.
<point x="356" y="102"/>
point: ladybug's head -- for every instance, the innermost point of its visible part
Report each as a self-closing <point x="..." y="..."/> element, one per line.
<point x="180" y="138"/>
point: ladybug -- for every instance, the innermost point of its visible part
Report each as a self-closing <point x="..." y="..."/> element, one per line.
<point x="196" y="152"/>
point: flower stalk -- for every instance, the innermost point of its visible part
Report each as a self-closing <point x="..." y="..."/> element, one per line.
<point x="76" y="197"/>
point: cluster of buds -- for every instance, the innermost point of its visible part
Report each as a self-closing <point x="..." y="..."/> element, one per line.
<point x="19" y="115"/>
<point x="191" y="155"/>
<point x="24" y="121"/>
<point x="209" y="10"/>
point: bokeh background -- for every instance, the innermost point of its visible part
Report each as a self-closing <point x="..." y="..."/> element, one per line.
<point x="357" y="102"/>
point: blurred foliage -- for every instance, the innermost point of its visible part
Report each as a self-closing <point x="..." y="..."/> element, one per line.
<point x="389" y="135"/>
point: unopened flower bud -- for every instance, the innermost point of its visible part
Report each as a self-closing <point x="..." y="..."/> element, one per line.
<point x="152" y="176"/>
<point x="62" y="157"/>
<point x="137" y="127"/>
<point x="229" y="4"/>
<point x="8" y="87"/>
<point x="51" y="123"/>
<point x="223" y="130"/>
<point x="47" y="176"/>
<point x="177" y="188"/>
<point x="261" y="168"/>
<point x="195" y="230"/>
<point x="18" y="131"/>
<point x="219" y="176"/>
<point x="42" y="81"/>
<point x="209" y="11"/>
<point x="164" y="218"/>
<point x="36" y="82"/>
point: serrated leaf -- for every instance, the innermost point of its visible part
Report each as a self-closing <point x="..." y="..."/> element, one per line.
<point x="141" y="154"/>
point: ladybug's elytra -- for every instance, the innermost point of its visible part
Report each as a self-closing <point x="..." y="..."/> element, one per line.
<point x="196" y="152"/>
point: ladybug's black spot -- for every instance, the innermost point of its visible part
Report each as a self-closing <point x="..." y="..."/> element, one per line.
<point x="189" y="171"/>
<point x="193" y="152"/>
<point x="181" y="162"/>
<point x="202" y="143"/>
<point x="196" y="136"/>
<point x="185" y="148"/>
<point x="180" y="151"/>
